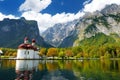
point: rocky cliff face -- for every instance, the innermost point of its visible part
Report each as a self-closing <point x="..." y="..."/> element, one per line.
<point x="58" y="32"/>
<point x="13" y="31"/>
<point x="106" y="21"/>
<point x="111" y="9"/>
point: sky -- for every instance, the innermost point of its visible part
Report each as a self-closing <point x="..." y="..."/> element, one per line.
<point x="50" y="12"/>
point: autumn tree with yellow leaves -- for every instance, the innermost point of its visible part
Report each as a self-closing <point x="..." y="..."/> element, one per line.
<point x="52" y="52"/>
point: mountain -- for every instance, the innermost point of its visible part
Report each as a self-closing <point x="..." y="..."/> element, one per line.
<point x="106" y="21"/>
<point x="58" y="32"/>
<point x="111" y="9"/>
<point x="13" y="31"/>
<point x="69" y="40"/>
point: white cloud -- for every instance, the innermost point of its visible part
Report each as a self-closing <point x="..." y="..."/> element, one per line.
<point x="34" y="5"/>
<point x="2" y="16"/>
<point x="99" y="5"/>
<point x="46" y="20"/>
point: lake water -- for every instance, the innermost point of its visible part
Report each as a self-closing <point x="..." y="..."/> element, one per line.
<point x="59" y="70"/>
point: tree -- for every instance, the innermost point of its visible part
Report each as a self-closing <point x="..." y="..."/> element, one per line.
<point x="77" y="50"/>
<point x="61" y="54"/>
<point x="68" y="53"/>
<point x="52" y="52"/>
<point x="42" y="51"/>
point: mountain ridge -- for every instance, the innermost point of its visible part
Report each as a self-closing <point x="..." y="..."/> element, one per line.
<point x="106" y="21"/>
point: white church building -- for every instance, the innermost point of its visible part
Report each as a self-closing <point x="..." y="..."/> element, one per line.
<point x="27" y="51"/>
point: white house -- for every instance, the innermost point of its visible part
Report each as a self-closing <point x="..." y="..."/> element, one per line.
<point x="27" y="51"/>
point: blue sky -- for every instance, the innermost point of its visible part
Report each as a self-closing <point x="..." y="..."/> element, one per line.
<point x="67" y="6"/>
<point x="57" y="6"/>
<point x="10" y="7"/>
<point x="50" y="12"/>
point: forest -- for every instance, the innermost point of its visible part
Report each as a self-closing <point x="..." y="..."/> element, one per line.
<point x="105" y="51"/>
<point x="98" y="46"/>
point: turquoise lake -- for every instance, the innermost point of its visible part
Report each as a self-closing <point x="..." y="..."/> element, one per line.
<point x="59" y="69"/>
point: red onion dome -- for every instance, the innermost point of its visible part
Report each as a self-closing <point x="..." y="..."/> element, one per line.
<point x="22" y="46"/>
<point x="25" y="46"/>
<point x="33" y="40"/>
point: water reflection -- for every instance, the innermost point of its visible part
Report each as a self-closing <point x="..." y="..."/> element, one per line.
<point x="25" y="68"/>
<point x="60" y="70"/>
<point x="56" y="70"/>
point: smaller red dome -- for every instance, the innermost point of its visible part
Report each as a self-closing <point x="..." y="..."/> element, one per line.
<point x="33" y="40"/>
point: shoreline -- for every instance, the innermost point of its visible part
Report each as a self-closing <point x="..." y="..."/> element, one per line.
<point x="62" y="59"/>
